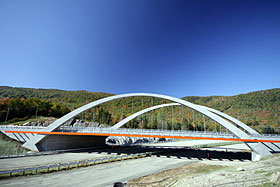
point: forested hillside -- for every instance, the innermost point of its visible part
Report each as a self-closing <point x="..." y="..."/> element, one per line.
<point x="24" y="103"/>
<point x="76" y="98"/>
<point x="259" y="109"/>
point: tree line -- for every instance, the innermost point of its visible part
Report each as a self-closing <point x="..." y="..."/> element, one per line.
<point x="15" y="109"/>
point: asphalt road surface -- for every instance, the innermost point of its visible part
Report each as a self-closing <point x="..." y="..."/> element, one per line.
<point x="84" y="155"/>
<point x="31" y="161"/>
<point x="100" y="175"/>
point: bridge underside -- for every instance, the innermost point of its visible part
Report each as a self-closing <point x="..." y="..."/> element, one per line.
<point x="62" y="142"/>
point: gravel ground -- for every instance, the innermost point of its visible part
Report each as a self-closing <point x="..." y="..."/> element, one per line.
<point x="217" y="173"/>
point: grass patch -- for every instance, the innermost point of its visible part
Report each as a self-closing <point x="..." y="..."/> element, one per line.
<point x="269" y="173"/>
<point x="204" y="168"/>
<point x="9" y="146"/>
<point x="260" y="171"/>
<point x="267" y="184"/>
<point x="269" y="157"/>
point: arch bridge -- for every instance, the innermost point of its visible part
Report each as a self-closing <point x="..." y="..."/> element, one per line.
<point x="39" y="139"/>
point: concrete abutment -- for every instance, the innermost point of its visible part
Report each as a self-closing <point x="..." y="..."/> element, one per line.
<point x="64" y="142"/>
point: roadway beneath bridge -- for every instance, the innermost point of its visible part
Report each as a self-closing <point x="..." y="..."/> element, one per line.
<point x="33" y="161"/>
<point x="107" y="174"/>
<point x="103" y="152"/>
<point x="100" y="175"/>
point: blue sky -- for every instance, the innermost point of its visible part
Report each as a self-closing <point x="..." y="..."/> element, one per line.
<point x="176" y="47"/>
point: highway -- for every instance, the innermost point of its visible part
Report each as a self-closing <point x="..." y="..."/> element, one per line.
<point x="92" y="153"/>
<point x="99" y="175"/>
<point x="31" y="161"/>
<point x="109" y="173"/>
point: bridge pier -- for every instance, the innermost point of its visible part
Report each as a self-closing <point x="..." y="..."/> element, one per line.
<point x="259" y="150"/>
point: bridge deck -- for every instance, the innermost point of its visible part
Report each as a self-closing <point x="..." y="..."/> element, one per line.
<point x="151" y="133"/>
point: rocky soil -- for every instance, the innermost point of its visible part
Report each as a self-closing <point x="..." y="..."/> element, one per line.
<point x="217" y="173"/>
<point x="45" y="121"/>
<point x="120" y="140"/>
<point x="42" y="122"/>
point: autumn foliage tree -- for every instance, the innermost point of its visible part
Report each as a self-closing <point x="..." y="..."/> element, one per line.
<point x="22" y="108"/>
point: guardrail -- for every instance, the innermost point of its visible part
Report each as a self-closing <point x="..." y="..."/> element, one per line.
<point x="127" y="130"/>
<point x="144" y="131"/>
<point x="21" y="127"/>
<point x="134" y="131"/>
<point x="67" y="165"/>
